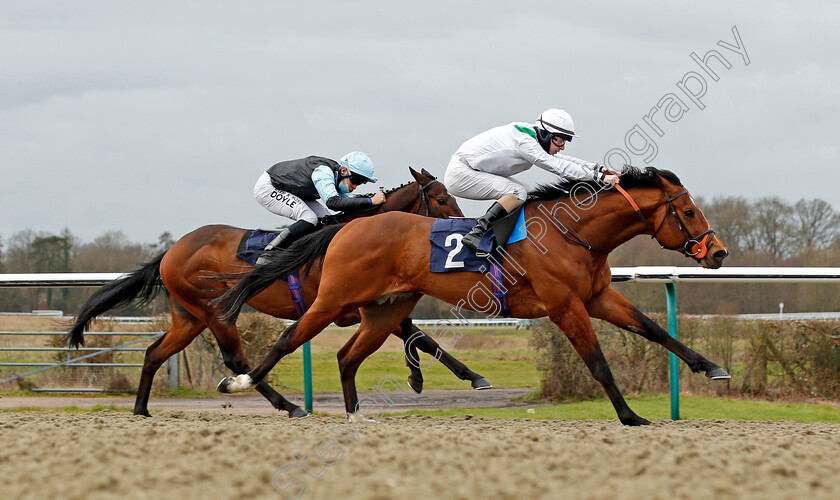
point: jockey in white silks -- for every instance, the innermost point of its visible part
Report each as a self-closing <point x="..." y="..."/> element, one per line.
<point x="291" y="189"/>
<point x="481" y="168"/>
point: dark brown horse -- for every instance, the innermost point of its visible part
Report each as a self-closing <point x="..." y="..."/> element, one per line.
<point x="212" y="250"/>
<point x="560" y="271"/>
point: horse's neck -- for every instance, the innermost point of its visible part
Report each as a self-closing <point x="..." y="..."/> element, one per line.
<point x="398" y="200"/>
<point x="401" y="199"/>
<point x="605" y="225"/>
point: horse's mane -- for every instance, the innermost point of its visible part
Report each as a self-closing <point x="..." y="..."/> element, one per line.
<point x="431" y="178"/>
<point x="631" y="177"/>
<point x="370" y="195"/>
<point x="398" y="187"/>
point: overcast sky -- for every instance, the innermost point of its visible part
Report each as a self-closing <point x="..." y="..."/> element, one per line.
<point x="151" y="116"/>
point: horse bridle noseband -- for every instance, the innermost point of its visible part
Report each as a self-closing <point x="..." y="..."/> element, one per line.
<point x="695" y="247"/>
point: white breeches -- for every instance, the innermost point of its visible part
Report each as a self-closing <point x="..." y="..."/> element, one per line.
<point x="463" y="181"/>
<point x="286" y="204"/>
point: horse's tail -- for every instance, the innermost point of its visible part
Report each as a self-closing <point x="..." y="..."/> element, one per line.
<point x="304" y="252"/>
<point x="140" y="284"/>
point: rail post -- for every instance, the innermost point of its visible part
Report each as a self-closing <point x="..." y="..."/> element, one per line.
<point x="671" y="294"/>
<point x="307" y="377"/>
<point x="173" y="371"/>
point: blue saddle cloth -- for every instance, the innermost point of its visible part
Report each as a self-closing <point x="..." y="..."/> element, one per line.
<point x="252" y="244"/>
<point x="449" y="255"/>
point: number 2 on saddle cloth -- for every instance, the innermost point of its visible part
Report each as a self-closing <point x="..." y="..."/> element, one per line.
<point x="449" y="255"/>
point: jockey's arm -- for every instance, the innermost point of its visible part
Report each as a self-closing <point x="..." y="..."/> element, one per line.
<point x="568" y="167"/>
<point x="324" y="180"/>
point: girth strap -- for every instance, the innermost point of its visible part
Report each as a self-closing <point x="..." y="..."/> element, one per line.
<point x="297" y="294"/>
<point x="499" y="290"/>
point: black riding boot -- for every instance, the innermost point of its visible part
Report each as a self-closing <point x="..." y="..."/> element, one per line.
<point x="286" y="237"/>
<point x="473" y="238"/>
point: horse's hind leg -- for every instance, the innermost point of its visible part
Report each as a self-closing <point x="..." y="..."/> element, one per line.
<point x="415" y="338"/>
<point x="184" y="329"/>
<point x="230" y="344"/>
<point x="311" y="324"/>
<point x="613" y="307"/>
<point x="378" y="321"/>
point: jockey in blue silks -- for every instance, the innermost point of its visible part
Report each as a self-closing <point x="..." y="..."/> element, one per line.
<point x="291" y="189"/>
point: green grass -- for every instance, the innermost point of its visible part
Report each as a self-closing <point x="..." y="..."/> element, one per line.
<point x="503" y="368"/>
<point x="653" y="407"/>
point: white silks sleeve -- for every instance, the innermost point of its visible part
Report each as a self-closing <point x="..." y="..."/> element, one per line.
<point x="562" y="165"/>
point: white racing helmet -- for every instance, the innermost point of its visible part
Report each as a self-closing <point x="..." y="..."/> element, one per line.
<point x="557" y="122"/>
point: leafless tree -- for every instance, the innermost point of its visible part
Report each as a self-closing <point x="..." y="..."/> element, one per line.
<point x="815" y="223"/>
<point x="774" y="227"/>
<point x="731" y="217"/>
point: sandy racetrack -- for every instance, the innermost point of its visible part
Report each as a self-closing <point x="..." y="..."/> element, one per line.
<point x="191" y="454"/>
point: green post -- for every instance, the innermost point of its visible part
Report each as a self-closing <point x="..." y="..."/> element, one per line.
<point x="671" y="292"/>
<point x="307" y="378"/>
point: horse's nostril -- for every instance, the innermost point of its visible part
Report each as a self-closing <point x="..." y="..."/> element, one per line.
<point x="720" y="255"/>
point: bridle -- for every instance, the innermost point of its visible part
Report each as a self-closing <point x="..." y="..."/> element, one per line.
<point x="696" y="247"/>
<point x="424" y="197"/>
<point x="426" y="202"/>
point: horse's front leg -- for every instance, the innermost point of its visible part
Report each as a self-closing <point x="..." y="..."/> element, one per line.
<point x="573" y="320"/>
<point x="611" y="306"/>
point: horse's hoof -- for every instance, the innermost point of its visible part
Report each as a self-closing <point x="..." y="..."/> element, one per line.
<point x="416" y="384"/>
<point x="635" y="421"/>
<point x="144" y="413"/>
<point x="238" y="383"/>
<point x="298" y="412"/>
<point x="481" y="384"/>
<point x="718" y="373"/>
<point x="224" y="384"/>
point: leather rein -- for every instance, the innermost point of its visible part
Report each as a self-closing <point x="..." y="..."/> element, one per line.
<point x="425" y="202"/>
<point x="695" y="246"/>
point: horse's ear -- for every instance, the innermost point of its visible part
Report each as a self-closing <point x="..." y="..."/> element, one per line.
<point x="654" y="174"/>
<point x="663" y="178"/>
<point x="417" y="175"/>
<point x="427" y="174"/>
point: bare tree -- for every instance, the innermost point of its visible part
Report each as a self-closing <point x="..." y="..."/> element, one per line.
<point x="731" y="217"/>
<point x="774" y="227"/>
<point x="109" y="253"/>
<point x="815" y="223"/>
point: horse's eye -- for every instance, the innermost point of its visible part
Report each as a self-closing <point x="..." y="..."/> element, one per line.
<point x="441" y="201"/>
<point x="689" y="213"/>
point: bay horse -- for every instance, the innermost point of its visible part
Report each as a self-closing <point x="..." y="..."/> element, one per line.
<point x="212" y="249"/>
<point x="560" y="271"/>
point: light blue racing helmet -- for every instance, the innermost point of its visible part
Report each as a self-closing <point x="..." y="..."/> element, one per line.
<point x="360" y="164"/>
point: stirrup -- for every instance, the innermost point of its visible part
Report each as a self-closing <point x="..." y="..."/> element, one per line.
<point x="263" y="258"/>
<point x="274" y="245"/>
<point x="472" y="240"/>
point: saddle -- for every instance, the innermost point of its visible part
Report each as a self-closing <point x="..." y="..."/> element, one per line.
<point x="253" y="242"/>
<point x="448" y="255"/>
